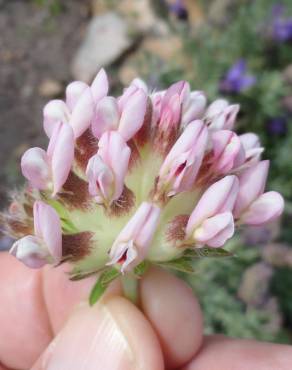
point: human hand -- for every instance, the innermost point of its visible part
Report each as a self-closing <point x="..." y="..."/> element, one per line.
<point x="44" y="326"/>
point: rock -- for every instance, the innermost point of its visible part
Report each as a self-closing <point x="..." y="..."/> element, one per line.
<point x="160" y="50"/>
<point x="254" y="286"/>
<point x="50" y="88"/>
<point x="107" y="38"/>
<point x="141" y="13"/>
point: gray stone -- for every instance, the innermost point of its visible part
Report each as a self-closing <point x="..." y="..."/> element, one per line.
<point x="107" y="37"/>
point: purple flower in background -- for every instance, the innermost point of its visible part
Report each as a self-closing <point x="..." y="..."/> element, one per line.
<point x="237" y="79"/>
<point x="178" y="9"/>
<point x="277" y="126"/>
<point x="281" y="26"/>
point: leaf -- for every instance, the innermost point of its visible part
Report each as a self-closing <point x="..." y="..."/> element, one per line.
<point x="102" y="283"/>
<point x="182" y="264"/>
<point x="141" y="268"/>
<point x="207" y="252"/>
<point x="96" y="292"/>
<point x="108" y="276"/>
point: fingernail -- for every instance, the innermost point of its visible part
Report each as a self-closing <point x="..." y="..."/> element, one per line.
<point x="91" y="339"/>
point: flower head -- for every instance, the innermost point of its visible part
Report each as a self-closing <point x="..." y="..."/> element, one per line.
<point x="141" y="178"/>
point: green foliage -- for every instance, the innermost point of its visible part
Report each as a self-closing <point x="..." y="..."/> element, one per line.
<point x="216" y="284"/>
<point x="102" y="283"/>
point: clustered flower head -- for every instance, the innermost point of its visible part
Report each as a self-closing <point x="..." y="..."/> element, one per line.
<point x="147" y="177"/>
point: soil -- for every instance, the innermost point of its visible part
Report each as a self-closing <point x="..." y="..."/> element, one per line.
<point x="38" y="40"/>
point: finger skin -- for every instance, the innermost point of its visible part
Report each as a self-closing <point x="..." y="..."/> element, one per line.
<point x="219" y="352"/>
<point x="24" y="326"/>
<point x="175" y="314"/>
<point x="112" y="335"/>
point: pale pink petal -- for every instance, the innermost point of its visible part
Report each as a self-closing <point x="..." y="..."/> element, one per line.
<point x="228" y="151"/>
<point x="230" y="114"/>
<point x="35" y="167"/>
<point x="183" y="162"/>
<point x="100" y="179"/>
<point x="180" y="88"/>
<point x="133" y="115"/>
<point x="48" y="227"/>
<point x="106" y="116"/>
<point x="252" y="147"/>
<point x="82" y="114"/>
<point x="61" y="152"/>
<point x="251" y="185"/>
<point x="100" y="86"/>
<point x="216" y="108"/>
<point x="29" y="251"/>
<point x="116" y="153"/>
<point x="265" y="208"/>
<point x="216" y="230"/>
<point x="194" y="108"/>
<point x="148" y="229"/>
<point x="55" y="111"/>
<point x="73" y="92"/>
<point x="134" y="240"/>
<point x="218" y="198"/>
<point x="140" y="84"/>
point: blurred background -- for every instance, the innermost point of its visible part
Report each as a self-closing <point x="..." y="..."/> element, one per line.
<point x="238" y="49"/>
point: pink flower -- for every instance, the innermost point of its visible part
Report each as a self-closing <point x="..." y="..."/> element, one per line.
<point x="177" y="103"/>
<point x="125" y="115"/>
<point x="78" y="111"/>
<point x="179" y="169"/>
<point x="46" y="245"/>
<point x="252" y="147"/>
<point x="253" y="206"/>
<point x="221" y="116"/>
<point x="107" y="169"/>
<point x="50" y="169"/>
<point x="132" y="244"/>
<point x="211" y="222"/>
<point x="228" y="152"/>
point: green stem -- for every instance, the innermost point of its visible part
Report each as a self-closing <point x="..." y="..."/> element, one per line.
<point x="130" y="286"/>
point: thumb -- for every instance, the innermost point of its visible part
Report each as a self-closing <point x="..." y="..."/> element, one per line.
<point x="112" y="335"/>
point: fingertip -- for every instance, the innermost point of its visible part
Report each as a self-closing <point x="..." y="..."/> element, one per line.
<point x="219" y="352"/>
<point x="25" y="328"/>
<point x="175" y="314"/>
<point x="62" y="295"/>
<point x="112" y="335"/>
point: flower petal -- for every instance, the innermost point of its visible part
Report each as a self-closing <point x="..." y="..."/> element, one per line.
<point x="48" y="228"/>
<point x="216" y="230"/>
<point x="61" y="152"/>
<point x="106" y="116"/>
<point x="35" y="167"/>
<point x="100" y="86"/>
<point x="29" y="251"/>
<point x="218" y="198"/>
<point x="252" y="183"/>
<point x="133" y="114"/>
<point x="82" y="114"/>
<point x="265" y="208"/>
<point x="73" y="93"/>
<point x="55" y="111"/>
